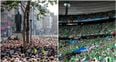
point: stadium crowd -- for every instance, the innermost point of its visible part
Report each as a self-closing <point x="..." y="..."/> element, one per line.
<point x="87" y="29"/>
<point x="41" y="50"/>
<point x="99" y="50"/>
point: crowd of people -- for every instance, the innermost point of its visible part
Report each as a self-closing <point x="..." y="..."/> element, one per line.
<point x="42" y="49"/>
<point x="99" y="50"/>
<point x="87" y="29"/>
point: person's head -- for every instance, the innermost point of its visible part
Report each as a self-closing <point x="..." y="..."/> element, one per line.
<point x="9" y="59"/>
<point x="51" y="58"/>
<point x="22" y="55"/>
<point x="38" y="59"/>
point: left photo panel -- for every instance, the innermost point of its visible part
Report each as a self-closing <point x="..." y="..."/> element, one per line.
<point x="29" y="31"/>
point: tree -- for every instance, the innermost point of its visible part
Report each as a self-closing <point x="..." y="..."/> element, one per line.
<point x="41" y="5"/>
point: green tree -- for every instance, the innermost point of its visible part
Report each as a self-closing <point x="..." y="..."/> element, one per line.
<point x="40" y="5"/>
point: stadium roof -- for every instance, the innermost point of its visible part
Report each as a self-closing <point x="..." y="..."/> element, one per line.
<point x="83" y="7"/>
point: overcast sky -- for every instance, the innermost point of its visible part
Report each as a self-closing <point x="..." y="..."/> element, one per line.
<point x="53" y="9"/>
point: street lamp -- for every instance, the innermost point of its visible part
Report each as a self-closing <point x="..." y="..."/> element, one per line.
<point x="67" y="5"/>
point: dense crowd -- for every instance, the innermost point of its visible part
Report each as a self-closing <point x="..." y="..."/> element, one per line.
<point x="99" y="50"/>
<point x="41" y="50"/>
<point x="87" y="29"/>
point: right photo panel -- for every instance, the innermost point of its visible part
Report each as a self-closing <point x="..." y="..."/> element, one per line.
<point x="87" y="31"/>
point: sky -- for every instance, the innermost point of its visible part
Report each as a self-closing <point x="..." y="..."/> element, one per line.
<point x="53" y="9"/>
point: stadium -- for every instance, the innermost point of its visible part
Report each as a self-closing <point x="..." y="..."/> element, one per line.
<point x="87" y="31"/>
